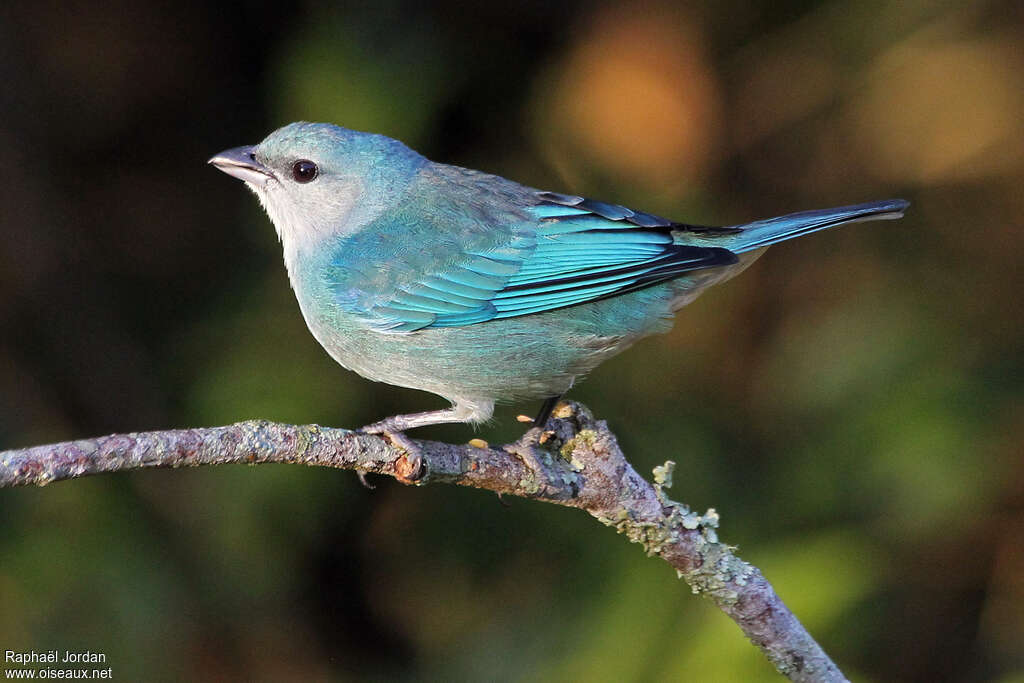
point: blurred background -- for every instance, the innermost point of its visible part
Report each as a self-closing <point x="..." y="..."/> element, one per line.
<point x="851" y="405"/>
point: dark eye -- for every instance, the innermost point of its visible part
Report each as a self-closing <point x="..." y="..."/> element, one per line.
<point x="304" y="171"/>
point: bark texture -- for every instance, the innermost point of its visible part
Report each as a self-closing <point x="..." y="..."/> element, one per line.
<point x="575" y="462"/>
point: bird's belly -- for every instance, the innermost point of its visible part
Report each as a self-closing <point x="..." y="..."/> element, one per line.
<point x="502" y="360"/>
<point x="488" y="361"/>
<point x="513" y="359"/>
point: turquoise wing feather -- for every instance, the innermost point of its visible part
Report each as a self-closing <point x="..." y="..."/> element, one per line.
<point x="566" y="252"/>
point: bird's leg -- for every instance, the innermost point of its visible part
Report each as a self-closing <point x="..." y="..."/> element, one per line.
<point x="545" y="410"/>
<point x="393" y="428"/>
<point x="400" y="423"/>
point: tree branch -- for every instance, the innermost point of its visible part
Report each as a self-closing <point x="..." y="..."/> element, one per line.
<point x="577" y="463"/>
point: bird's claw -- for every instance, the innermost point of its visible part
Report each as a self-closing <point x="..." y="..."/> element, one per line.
<point x="410" y="467"/>
<point x="363" y="480"/>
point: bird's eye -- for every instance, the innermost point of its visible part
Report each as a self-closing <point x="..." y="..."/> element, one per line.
<point x="304" y="171"/>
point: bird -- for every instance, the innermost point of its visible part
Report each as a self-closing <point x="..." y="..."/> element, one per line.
<point x="473" y="287"/>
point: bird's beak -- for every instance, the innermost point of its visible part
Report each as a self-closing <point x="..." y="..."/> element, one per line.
<point x="241" y="163"/>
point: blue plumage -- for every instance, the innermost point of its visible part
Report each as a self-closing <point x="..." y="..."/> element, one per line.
<point x="472" y="286"/>
<point x="774" y="230"/>
<point x="564" y="256"/>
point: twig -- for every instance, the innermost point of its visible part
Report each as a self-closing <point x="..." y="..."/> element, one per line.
<point x="576" y="463"/>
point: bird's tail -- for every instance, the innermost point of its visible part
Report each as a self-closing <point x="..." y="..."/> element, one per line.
<point x="772" y="230"/>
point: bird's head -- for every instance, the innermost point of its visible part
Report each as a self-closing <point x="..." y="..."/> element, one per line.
<point x="317" y="180"/>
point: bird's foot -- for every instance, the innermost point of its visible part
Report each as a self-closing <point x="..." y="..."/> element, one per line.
<point x="410" y="468"/>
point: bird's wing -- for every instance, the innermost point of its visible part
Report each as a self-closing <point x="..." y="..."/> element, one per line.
<point x="563" y="251"/>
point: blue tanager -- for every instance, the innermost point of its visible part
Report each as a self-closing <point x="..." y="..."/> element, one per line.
<point x="474" y="287"/>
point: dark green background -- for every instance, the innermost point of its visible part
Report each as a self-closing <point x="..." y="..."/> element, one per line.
<point x="851" y="405"/>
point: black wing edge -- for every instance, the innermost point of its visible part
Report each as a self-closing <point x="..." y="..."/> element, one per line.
<point x="616" y="212"/>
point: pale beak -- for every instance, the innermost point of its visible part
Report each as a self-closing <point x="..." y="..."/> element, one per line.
<point x="241" y="163"/>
